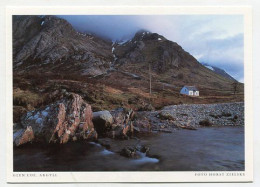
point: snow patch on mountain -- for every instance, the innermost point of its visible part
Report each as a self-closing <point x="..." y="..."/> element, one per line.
<point x="113" y="49"/>
<point x="122" y="42"/>
<point x="219" y="71"/>
<point x="209" y="67"/>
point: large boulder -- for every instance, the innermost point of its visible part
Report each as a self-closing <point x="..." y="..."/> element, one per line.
<point x="122" y="115"/>
<point x="122" y="126"/>
<point x="102" y="121"/>
<point x="118" y="115"/>
<point x="146" y="107"/>
<point x="134" y="152"/>
<point x="142" y="122"/>
<point x="65" y="120"/>
<point x="165" y="115"/>
<point x="142" y="125"/>
<point x="23" y="136"/>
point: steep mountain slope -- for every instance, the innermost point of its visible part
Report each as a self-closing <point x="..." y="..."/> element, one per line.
<point x="50" y="43"/>
<point x="219" y="71"/>
<point x="168" y="61"/>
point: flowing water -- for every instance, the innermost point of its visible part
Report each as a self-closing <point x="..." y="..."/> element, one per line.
<point x="206" y="149"/>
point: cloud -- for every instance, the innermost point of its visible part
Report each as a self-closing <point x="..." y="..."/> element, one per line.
<point x="226" y="53"/>
<point x="112" y="27"/>
<point x="214" y="39"/>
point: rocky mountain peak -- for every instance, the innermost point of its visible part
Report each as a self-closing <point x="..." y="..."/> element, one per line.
<point x="44" y="41"/>
<point x="51" y="22"/>
<point x="144" y="35"/>
<point x="152" y="48"/>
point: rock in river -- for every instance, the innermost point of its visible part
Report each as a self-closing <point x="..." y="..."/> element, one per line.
<point x="122" y="125"/>
<point x="23" y="136"/>
<point x="102" y="121"/>
<point x="65" y="120"/>
<point x="142" y="125"/>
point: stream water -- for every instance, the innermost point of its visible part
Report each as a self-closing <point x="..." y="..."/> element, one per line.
<point x="206" y="149"/>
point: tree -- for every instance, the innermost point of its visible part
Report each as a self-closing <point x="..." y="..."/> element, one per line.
<point x="235" y="87"/>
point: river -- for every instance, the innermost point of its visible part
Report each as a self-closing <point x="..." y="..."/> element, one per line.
<point x="205" y="149"/>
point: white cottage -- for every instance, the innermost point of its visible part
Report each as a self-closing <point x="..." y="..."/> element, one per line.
<point x="190" y="90"/>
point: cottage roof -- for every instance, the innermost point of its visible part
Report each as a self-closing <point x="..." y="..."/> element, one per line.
<point x="193" y="88"/>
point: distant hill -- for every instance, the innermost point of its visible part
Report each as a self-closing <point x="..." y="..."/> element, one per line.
<point x="219" y="71"/>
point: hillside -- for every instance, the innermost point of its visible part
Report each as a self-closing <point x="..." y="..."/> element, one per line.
<point x="51" y="44"/>
<point x="50" y="59"/>
<point x="169" y="62"/>
<point x="219" y="71"/>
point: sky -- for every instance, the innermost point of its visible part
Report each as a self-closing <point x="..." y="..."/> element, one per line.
<point x="213" y="39"/>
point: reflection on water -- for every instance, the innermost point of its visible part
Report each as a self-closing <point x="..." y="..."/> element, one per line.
<point x="207" y="149"/>
<point x="94" y="143"/>
<point x="144" y="159"/>
<point x="106" y="152"/>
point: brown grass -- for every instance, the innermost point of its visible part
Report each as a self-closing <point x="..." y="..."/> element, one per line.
<point x="140" y="92"/>
<point x="110" y="92"/>
<point x="113" y="90"/>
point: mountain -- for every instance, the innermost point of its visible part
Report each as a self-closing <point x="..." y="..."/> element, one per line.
<point x="168" y="61"/>
<point x="219" y="71"/>
<point x="51" y="44"/>
<point x="51" y="58"/>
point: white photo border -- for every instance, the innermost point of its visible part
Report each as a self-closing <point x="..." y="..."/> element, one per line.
<point x="162" y="176"/>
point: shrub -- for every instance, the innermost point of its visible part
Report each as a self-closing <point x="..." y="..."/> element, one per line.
<point x="234" y="119"/>
<point x="26" y="98"/>
<point x="205" y="123"/>
<point x="164" y="115"/>
<point x="226" y="114"/>
<point x="180" y="76"/>
<point x="215" y="116"/>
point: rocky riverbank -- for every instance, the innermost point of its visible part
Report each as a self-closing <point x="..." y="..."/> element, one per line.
<point x="222" y="114"/>
<point x="71" y="119"/>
